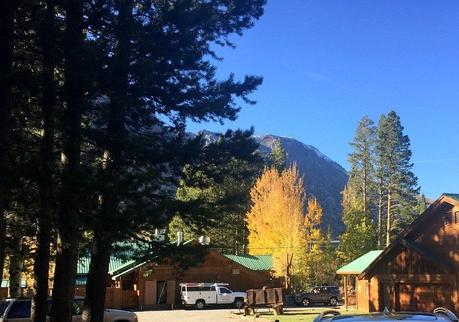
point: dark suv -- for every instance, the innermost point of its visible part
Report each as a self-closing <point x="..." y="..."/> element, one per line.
<point x="320" y="294"/>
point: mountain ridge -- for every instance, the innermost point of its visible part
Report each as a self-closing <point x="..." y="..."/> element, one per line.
<point x="324" y="178"/>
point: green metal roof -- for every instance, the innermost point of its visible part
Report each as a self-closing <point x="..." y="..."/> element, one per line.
<point x="360" y="264"/>
<point x="253" y="262"/>
<point x="454" y="196"/>
<point x="116" y="264"/>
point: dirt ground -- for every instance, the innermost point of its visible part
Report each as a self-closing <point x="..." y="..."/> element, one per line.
<point x="211" y="315"/>
<point x="225" y="315"/>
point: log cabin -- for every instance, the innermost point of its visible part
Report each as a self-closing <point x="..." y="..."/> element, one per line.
<point x="419" y="270"/>
<point x="153" y="285"/>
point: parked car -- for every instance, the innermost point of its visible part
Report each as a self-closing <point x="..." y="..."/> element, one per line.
<point x="200" y="295"/>
<point x="320" y="294"/>
<point x="438" y="315"/>
<point x="18" y="310"/>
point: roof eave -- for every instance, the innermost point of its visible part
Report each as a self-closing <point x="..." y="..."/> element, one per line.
<point x="367" y="273"/>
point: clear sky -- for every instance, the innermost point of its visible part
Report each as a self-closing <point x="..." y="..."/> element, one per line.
<point x="326" y="63"/>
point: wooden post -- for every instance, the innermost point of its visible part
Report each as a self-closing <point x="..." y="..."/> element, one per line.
<point x="345" y="292"/>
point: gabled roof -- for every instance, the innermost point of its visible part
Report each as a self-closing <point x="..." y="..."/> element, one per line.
<point x="450" y="198"/>
<point x="360" y="264"/>
<point x="253" y="262"/>
<point x="116" y="265"/>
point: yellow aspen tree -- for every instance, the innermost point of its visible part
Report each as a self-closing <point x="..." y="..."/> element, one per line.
<point x="276" y="220"/>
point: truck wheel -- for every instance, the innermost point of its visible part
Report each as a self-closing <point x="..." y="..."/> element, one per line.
<point x="239" y="303"/>
<point x="200" y="304"/>
<point x="306" y="302"/>
<point x="333" y="301"/>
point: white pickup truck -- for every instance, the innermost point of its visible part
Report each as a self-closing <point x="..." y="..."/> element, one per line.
<point x="202" y="294"/>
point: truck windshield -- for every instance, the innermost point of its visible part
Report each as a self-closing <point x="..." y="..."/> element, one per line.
<point x="3" y="306"/>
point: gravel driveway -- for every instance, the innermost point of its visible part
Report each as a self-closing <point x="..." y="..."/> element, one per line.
<point x="210" y="315"/>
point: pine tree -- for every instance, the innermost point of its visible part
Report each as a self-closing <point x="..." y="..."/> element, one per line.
<point x="362" y="160"/>
<point x="7" y="15"/>
<point x="142" y="135"/>
<point x="69" y="220"/>
<point x="278" y="157"/>
<point x="225" y="196"/>
<point x="47" y="34"/>
<point x="398" y="184"/>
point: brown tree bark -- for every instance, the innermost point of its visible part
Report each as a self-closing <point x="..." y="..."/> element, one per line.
<point x="97" y="279"/>
<point x="68" y="216"/>
<point x="39" y="307"/>
<point x="7" y="12"/>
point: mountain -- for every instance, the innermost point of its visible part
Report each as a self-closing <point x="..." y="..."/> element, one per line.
<point x="323" y="178"/>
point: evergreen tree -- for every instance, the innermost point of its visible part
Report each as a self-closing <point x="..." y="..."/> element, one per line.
<point x="278" y="157"/>
<point x="47" y="33"/>
<point x="223" y="194"/>
<point x="75" y="55"/>
<point x="157" y="76"/>
<point x="398" y="184"/>
<point x="7" y="15"/>
<point x="362" y="160"/>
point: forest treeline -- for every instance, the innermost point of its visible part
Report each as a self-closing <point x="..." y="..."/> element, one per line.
<point x="95" y="96"/>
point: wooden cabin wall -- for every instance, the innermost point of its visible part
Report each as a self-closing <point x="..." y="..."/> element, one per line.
<point x="408" y="281"/>
<point x="215" y="268"/>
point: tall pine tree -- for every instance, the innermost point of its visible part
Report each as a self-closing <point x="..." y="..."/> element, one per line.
<point x="398" y="184"/>
<point x="362" y="160"/>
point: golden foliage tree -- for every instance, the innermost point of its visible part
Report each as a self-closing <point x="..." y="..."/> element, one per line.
<point x="276" y="221"/>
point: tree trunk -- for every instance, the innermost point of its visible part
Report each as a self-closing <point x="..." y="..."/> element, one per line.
<point x="365" y="188"/>
<point x="64" y="277"/>
<point x="389" y="219"/>
<point x="102" y="244"/>
<point x="68" y="217"/>
<point x="97" y="279"/>
<point x="39" y="307"/>
<point x="380" y="216"/>
<point x="7" y="12"/>
<point x="16" y="266"/>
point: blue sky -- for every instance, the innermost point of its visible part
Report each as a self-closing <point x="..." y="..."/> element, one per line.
<point x="327" y="63"/>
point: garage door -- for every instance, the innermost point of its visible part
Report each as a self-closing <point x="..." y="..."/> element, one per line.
<point x="422" y="297"/>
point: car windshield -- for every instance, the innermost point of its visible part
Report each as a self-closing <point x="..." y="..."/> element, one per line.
<point x="3" y="306"/>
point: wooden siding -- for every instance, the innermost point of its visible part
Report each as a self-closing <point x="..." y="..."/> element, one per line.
<point x="420" y="271"/>
<point x="215" y="268"/>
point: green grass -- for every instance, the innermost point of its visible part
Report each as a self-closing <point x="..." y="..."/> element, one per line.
<point x="296" y="314"/>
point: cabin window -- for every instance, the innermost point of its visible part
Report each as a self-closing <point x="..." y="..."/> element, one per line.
<point x="236" y="271"/>
<point x="448" y="218"/>
<point x="456" y="217"/>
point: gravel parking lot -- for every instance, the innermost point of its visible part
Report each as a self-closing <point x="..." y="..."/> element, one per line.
<point x="211" y="315"/>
